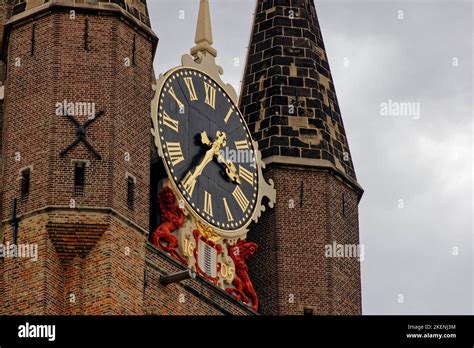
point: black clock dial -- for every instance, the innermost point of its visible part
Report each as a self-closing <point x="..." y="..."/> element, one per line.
<point x="208" y="149"/>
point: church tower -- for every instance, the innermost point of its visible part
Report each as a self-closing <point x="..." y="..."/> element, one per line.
<point x="289" y="101"/>
<point x="76" y="153"/>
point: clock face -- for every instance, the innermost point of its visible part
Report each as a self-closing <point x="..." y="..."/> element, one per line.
<point x="207" y="149"/>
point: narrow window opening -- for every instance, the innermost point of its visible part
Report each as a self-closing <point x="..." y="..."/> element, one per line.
<point x="25" y="182"/>
<point x="33" y="38"/>
<point x="86" y="34"/>
<point x="130" y="192"/>
<point x="79" y="176"/>
<point x="134" y="49"/>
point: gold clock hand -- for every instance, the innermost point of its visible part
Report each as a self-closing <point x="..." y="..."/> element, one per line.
<point x="190" y="179"/>
<point x="231" y="171"/>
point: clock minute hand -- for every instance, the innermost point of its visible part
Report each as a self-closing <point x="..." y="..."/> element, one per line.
<point x="190" y="179"/>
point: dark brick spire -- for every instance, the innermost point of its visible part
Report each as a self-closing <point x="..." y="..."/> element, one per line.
<point x="288" y="96"/>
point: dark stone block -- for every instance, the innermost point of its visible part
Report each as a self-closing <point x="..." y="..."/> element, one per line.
<point x="272" y="111"/>
<point x="279" y="121"/>
<point x="279" y="80"/>
<point x="327" y="156"/>
<point x="302" y="72"/>
<point x="315" y="122"/>
<point x="279" y="141"/>
<point x="313" y="103"/>
<point x="308" y="131"/>
<point x="271" y="151"/>
<point x="275" y="31"/>
<point x="275" y="70"/>
<point x="311" y="153"/>
<point x="292" y="32"/>
<point x="251" y="108"/>
<point x="295" y="142"/>
<point x="326" y="136"/>
<point x="289" y="131"/>
<point x="275" y="90"/>
<point x="283" y="60"/>
<point x="257" y="135"/>
<point x="272" y="52"/>
<point x="255" y="58"/>
<point x="264" y="45"/>
<point x="268" y="132"/>
<point x="282" y="21"/>
<point x="265" y="123"/>
<point x="304" y="62"/>
<point x="296" y="81"/>
<point x="293" y="52"/>
<point x="279" y="100"/>
<point x="290" y="151"/>
<point x="283" y="41"/>
<point x="257" y="37"/>
<point x="263" y="144"/>
<point x="301" y="42"/>
<point x="300" y="23"/>
<point x="281" y="2"/>
<point x="309" y="35"/>
<point x="265" y="25"/>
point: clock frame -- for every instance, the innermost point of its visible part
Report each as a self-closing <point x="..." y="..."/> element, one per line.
<point x="205" y="65"/>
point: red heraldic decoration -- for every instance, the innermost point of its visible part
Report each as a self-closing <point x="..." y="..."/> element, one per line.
<point x="243" y="290"/>
<point x="172" y="218"/>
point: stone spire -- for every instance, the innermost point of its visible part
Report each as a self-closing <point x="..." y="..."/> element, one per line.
<point x="288" y="96"/>
<point x="203" y="38"/>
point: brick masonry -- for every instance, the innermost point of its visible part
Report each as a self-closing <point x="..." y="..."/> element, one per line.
<point x="290" y="271"/>
<point x="92" y="245"/>
<point x="289" y="102"/>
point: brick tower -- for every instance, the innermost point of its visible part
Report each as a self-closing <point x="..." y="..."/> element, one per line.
<point x="77" y="89"/>
<point x="290" y="104"/>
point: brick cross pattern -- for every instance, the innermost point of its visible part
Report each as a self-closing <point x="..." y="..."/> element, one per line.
<point x="81" y="135"/>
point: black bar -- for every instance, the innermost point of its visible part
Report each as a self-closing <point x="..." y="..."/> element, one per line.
<point x="287" y="331"/>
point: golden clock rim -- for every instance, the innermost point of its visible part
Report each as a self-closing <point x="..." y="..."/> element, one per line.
<point x="161" y="82"/>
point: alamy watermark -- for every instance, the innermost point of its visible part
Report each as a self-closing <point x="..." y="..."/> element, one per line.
<point x="344" y="250"/>
<point x="394" y="108"/>
<point x="10" y="250"/>
<point x="237" y="156"/>
<point x="65" y="108"/>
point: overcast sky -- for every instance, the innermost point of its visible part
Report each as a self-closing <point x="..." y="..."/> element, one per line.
<point x="417" y="171"/>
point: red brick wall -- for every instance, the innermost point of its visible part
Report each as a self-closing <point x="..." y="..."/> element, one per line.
<point x="61" y="69"/>
<point x="290" y="270"/>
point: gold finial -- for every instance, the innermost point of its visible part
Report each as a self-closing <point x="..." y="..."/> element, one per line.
<point x="204" y="31"/>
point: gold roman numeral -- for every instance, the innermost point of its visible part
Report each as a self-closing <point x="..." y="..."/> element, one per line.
<point x="242" y="145"/>
<point x="208" y="203"/>
<point x="210" y="95"/>
<point x="189" y="182"/>
<point x="169" y="122"/>
<point x="175" y="153"/>
<point x="227" y="211"/>
<point x="173" y="94"/>
<point x="191" y="89"/>
<point x="226" y="119"/>
<point x="239" y="196"/>
<point x="246" y="175"/>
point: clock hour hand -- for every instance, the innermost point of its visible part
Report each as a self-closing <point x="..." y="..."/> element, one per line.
<point x="229" y="166"/>
<point x="230" y="169"/>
